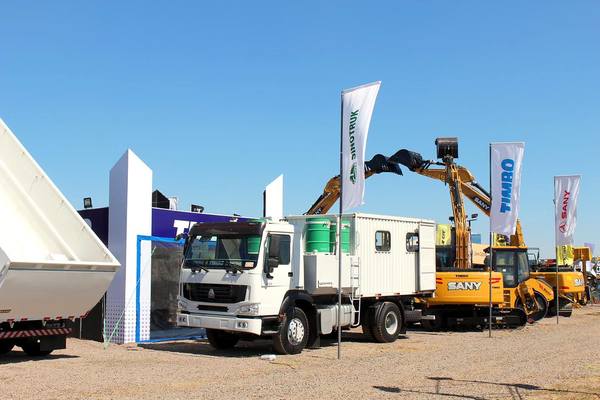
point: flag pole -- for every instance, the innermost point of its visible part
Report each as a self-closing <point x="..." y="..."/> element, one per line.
<point x="556" y="255"/>
<point x="490" y="248"/>
<point x="338" y="232"/>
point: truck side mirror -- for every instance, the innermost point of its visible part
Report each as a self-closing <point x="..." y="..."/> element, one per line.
<point x="186" y="238"/>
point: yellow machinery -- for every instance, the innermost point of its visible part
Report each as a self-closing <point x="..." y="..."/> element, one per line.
<point x="518" y="290"/>
<point x="574" y="290"/>
<point x="464" y="292"/>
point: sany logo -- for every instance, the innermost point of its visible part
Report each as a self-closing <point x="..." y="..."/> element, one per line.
<point x="464" y="285"/>
<point x="563" y="214"/>
<point x="578" y="282"/>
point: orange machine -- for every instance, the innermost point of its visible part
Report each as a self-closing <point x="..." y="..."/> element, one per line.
<point x="520" y="290"/>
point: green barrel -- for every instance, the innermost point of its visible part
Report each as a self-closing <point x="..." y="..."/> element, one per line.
<point x="253" y="244"/>
<point x="345" y="236"/>
<point x="317" y="235"/>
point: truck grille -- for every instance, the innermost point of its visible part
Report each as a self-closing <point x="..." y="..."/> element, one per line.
<point x="222" y="293"/>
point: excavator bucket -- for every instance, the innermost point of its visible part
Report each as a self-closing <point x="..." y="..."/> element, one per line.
<point x="409" y="159"/>
<point x="380" y="163"/>
<point x="447" y="147"/>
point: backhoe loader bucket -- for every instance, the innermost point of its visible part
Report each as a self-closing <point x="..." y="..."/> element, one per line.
<point x="380" y="163"/>
<point x="447" y="147"/>
<point x="409" y="159"/>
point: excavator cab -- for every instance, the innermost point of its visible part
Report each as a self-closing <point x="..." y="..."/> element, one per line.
<point x="514" y="265"/>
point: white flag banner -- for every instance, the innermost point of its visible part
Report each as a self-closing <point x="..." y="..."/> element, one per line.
<point x="566" y="192"/>
<point x="506" y="161"/>
<point x="357" y="108"/>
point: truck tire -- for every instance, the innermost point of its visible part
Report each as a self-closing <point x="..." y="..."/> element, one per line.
<point x="387" y="323"/>
<point x="32" y="349"/>
<point x="293" y="333"/>
<point x="221" y="340"/>
<point x="6" y="346"/>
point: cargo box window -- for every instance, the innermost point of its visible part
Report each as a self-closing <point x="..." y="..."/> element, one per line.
<point x="412" y="241"/>
<point x="383" y="241"/>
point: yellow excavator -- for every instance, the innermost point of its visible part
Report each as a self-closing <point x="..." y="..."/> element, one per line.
<point x="520" y="290"/>
<point x="464" y="292"/>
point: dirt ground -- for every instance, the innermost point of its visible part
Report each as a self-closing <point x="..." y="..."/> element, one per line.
<point x="544" y="361"/>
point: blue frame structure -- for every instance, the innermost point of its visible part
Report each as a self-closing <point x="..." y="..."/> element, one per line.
<point x="138" y="268"/>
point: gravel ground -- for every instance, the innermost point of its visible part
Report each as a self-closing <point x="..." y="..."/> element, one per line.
<point x="544" y="361"/>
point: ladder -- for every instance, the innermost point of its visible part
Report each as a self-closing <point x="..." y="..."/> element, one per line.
<point x="355" y="298"/>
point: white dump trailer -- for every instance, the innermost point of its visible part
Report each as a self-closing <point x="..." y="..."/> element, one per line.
<point x="279" y="279"/>
<point x="52" y="266"/>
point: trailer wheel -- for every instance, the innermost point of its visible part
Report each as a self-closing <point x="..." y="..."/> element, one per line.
<point x="221" y="340"/>
<point x="388" y="323"/>
<point x="33" y="349"/>
<point x="293" y="333"/>
<point x="6" y="346"/>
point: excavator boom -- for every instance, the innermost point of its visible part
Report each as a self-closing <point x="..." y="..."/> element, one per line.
<point x="378" y="164"/>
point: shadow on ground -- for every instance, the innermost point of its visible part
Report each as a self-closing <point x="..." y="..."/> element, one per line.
<point x="451" y="388"/>
<point x="245" y="348"/>
<point x="15" y="357"/>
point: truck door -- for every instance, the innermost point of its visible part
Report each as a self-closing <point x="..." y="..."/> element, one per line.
<point x="426" y="268"/>
<point x="278" y="266"/>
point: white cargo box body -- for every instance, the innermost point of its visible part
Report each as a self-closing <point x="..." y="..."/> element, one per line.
<point x="404" y="269"/>
<point x="51" y="263"/>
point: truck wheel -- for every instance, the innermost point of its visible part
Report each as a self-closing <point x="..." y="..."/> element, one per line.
<point x="6" y="346"/>
<point x="33" y="349"/>
<point x="221" y="340"/>
<point x="293" y="333"/>
<point x="388" y="323"/>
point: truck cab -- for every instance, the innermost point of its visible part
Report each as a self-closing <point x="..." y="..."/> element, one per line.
<point x="234" y="278"/>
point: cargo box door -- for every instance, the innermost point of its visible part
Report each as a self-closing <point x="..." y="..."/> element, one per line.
<point x="426" y="267"/>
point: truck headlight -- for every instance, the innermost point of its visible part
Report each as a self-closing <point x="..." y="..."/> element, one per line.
<point x="181" y="304"/>
<point x="247" y="309"/>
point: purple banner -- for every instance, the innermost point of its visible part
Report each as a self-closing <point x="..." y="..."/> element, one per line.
<point x="169" y="223"/>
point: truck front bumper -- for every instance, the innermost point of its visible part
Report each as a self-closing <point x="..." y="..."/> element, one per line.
<point x="226" y="323"/>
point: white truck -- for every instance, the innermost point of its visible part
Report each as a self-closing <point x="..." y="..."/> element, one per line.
<point x="53" y="268"/>
<point x="279" y="279"/>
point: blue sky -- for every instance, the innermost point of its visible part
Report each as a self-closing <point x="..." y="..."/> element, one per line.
<point x="221" y="97"/>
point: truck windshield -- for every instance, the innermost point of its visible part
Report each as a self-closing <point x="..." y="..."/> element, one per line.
<point x="514" y="266"/>
<point x="222" y="251"/>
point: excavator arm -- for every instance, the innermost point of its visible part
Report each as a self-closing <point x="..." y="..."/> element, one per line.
<point x="469" y="186"/>
<point x="452" y="175"/>
<point x="331" y="193"/>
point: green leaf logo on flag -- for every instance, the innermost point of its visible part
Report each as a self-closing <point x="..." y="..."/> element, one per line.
<point x="353" y="173"/>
